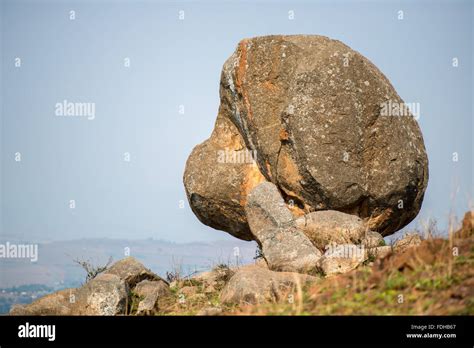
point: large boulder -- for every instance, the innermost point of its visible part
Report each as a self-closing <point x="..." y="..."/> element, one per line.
<point x="312" y="112"/>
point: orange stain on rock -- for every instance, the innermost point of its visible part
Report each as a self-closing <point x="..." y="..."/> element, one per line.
<point x="240" y="76"/>
<point x="252" y="178"/>
<point x="283" y="135"/>
<point x="270" y="86"/>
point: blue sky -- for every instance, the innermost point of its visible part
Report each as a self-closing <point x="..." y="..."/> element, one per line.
<point x="176" y="63"/>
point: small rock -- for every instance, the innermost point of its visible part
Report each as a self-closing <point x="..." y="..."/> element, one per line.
<point x="408" y="241"/>
<point x="285" y="247"/>
<point x="132" y="272"/>
<point x="380" y="252"/>
<point x="372" y="239"/>
<point x="330" y="226"/>
<point x="150" y="291"/>
<point x="289" y="250"/>
<point x="266" y="209"/>
<point x="342" y="258"/>
<point x="216" y="277"/>
<point x="106" y="294"/>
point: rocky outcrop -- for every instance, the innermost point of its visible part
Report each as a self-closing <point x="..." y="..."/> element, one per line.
<point x="255" y="285"/>
<point x="322" y="123"/>
<point x="109" y="293"/>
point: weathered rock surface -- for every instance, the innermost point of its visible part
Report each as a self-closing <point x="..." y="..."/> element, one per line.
<point x="106" y="294"/>
<point x="254" y="285"/>
<point x="132" y="272"/>
<point x="311" y="111"/>
<point x="342" y="258"/>
<point x="285" y="247"/>
<point x="380" y="252"/>
<point x="150" y="291"/>
<point x="330" y="226"/>
<point x="215" y="278"/>
<point x="266" y="209"/>
<point x="217" y="190"/>
<point x="407" y="241"/>
<point x="372" y="239"/>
